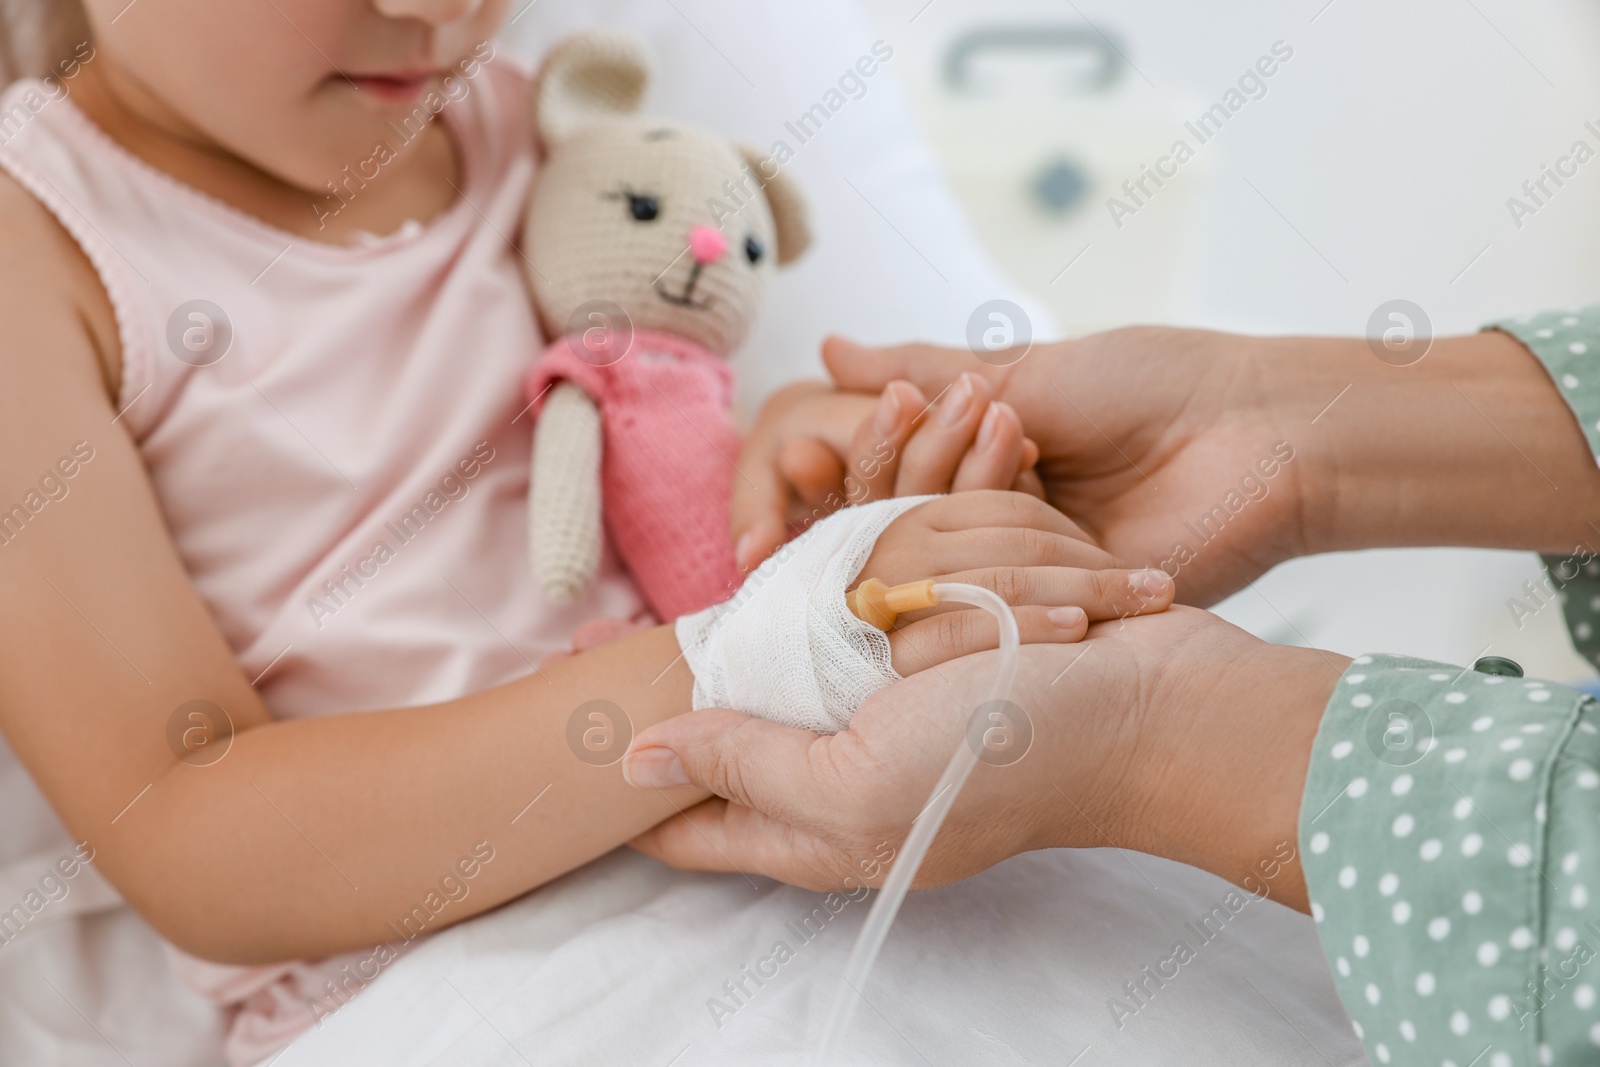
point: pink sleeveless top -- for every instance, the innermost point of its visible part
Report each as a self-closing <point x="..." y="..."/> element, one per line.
<point x="336" y="434"/>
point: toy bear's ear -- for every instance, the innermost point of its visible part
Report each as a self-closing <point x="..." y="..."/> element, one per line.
<point x="587" y="78"/>
<point x="788" y="206"/>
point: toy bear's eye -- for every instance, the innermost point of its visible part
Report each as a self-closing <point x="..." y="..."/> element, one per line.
<point x="753" y="250"/>
<point x="644" y="208"/>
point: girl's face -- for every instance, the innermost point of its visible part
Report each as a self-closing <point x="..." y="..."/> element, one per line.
<point x="298" y="88"/>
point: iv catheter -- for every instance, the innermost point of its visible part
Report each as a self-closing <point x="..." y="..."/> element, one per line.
<point x="879" y="605"/>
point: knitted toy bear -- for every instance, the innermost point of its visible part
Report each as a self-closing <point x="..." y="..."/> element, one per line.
<point x="650" y="245"/>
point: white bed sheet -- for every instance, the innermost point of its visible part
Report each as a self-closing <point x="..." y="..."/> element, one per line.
<point x="618" y="964"/>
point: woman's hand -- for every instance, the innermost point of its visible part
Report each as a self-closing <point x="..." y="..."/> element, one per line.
<point x="1216" y="456"/>
<point x="898" y="443"/>
<point x="1175" y="734"/>
<point x="1144" y="435"/>
<point x="1021" y="548"/>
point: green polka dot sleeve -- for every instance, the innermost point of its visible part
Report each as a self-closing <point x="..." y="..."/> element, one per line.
<point x="1450" y="836"/>
<point x="1568" y="344"/>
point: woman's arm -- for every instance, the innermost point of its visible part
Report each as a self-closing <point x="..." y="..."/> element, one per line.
<point x="1453" y="811"/>
<point x="1473" y="445"/>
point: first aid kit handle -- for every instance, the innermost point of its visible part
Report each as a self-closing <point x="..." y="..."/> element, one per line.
<point x="1107" y="58"/>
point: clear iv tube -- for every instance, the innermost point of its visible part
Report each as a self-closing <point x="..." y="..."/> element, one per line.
<point x="923" y="830"/>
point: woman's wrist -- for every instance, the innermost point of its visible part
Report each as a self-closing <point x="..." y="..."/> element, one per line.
<point x="1472" y="445"/>
<point x="1224" y="754"/>
<point x="1181" y="736"/>
<point x="1236" y="810"/>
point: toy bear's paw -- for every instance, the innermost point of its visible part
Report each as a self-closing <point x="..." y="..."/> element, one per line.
<point x="564" y="496"/>
<point x="564" y="586"/>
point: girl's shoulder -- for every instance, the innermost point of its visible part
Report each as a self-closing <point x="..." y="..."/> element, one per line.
<point x="44" y="271"/>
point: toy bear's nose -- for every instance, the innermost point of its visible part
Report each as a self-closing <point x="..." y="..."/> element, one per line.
<point x="708" y="244"/>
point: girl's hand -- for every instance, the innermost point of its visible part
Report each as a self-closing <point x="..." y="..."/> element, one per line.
<point x="898" y="444"/>
<point x="1056" y="581"/>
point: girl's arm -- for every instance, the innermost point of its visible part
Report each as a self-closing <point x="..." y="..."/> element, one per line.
<point x="311" y="837"/>
<point x="307" y="837"/>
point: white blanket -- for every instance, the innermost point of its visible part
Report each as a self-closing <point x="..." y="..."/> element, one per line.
<point x="624" y="962"/>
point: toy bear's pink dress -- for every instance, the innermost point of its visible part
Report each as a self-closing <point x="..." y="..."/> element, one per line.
<point x="667" y="462"/>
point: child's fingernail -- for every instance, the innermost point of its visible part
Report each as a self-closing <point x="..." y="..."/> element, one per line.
<point x="956" y="402"/>
<point x="1150" y="584"/>
<point x="653" y="768"/>
<point x="887" y="417"/>
<point x="1067" y="618"/>
<point x="989" y="428"/>
<point x="745" y="546"/>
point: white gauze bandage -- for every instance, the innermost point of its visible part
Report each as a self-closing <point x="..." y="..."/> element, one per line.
<point x="787" y="647"/>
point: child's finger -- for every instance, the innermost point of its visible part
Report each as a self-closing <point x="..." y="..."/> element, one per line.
<point x="1030" y="448"/>
<point x="814" y="471"/>
<point x="1103" y="594"/>
<point x="764" y="502"/>
<point x="971" y="511"/>
<point x="924" y="643"/>
<point x="764" y="536"/>
<point x="935" y="451"/>
<point x="761" y="501"/>
<point x="996" y="453"/>
<point x="1029" y="482"/>
<point x="1012" y="546"/>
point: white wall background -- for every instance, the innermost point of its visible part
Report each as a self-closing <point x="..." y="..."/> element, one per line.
<point x="1376" y="166"/>
<point x="1391" y="141"/>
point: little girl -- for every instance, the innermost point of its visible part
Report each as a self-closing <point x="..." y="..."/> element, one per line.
<point x="263" y="465"/>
